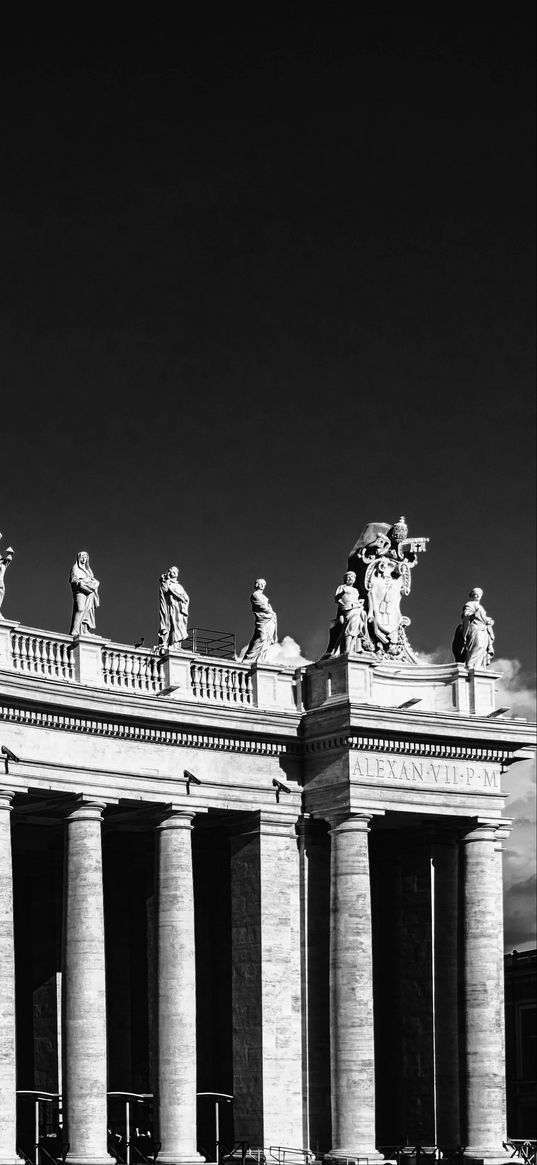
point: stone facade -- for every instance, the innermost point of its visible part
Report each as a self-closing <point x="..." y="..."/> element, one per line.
<point x="279" y="886"/>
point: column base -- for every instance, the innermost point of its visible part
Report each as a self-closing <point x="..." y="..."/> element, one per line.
<point x="83" y="1159"/>
<point x="180" y="1158"/>
<point x="477" y="1156"/>
<point x="363" y="1152"/>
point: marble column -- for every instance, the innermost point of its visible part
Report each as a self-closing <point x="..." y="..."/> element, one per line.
<point x="8" y="1083"/>
<point x="351" y="991"/>
<point x="84" y="989"/>
<point x="175" y="992"/>
<point x="266" y="981"/>
<point x="445" y="856"/>
<point x="484" y="1064"/>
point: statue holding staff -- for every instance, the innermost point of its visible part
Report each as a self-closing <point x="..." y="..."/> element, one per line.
<point x="85" y="588"/>
<point x="265" y="624"/>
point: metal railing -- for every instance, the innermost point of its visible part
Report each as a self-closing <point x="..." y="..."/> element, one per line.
<point x="523" y="1149"/>
<point x="202" y="641"/>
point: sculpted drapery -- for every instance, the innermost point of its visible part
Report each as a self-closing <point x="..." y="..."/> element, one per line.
<point x="473" y="643"/>
<point x="265" y="624"/>
<point x="173" y="610"/>
<point x="85" y="588"/>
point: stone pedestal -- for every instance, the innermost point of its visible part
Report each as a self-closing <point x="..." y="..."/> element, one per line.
<point x="8" y="1084"/>
<point x="84" y="990"/>
<point x="87" y="660"/>
<point x="175" y="1085"/>
<point x="351" y="992"/>
<point x="445" y="865"/>
<point x="266" y="982"/>
<point x="484" y="1063"/>
<point x="176" y="674"/>
<point x="6" y="627"/>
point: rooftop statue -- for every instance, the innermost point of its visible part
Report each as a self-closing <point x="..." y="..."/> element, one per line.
<point x="348" y="631"/>
<point x="265" y="624"/>
<point x="85" y="588"/>
<point x="382" y="559"/>
<point x="473" y="642"/>
<point x="4" y="563"/>
<point x="173" y="610"/>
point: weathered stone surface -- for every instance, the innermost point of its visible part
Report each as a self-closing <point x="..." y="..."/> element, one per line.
<point x="483" y="1018"/>
<point x="176" y="992"/>
<point x="83" y="991"/>
<point x="267" y="1035"/>
<point x="351" y="992"/>
<point x="8" y="1108"/>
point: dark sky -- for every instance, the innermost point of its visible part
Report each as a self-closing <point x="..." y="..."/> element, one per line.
<point x="265" y="279"/>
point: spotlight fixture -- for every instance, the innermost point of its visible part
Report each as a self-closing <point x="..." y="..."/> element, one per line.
<point x="8" y="755"/>
<point x="279" y="789"/>
<point x="190" y="780"/>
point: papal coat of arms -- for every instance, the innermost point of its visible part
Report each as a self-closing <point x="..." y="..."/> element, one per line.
<point x="383" y="559"/>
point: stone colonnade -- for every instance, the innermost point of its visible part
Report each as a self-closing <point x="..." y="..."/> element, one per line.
<point x="267" y="989"/>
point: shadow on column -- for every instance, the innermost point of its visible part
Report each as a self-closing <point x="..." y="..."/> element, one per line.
<point x="403" y="991"/>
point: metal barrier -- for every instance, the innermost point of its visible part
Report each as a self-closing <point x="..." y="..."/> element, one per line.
<point x="46" y="1134"/>
<point x="522" y="1148"/>
<point x="134" y="1145"/>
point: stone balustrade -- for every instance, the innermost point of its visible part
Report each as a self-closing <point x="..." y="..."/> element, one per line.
<point x="183" y="675"/>
<point x="226" y="683"/>
<point x="133" y="671"/>
<point x="99" y="663"/>
<point x="42" y="653"/>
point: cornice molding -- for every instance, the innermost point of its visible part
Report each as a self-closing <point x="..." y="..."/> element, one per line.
<point x="158" y="734"/>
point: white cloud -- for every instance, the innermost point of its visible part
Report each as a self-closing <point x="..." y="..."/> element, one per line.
<point x="288" y="653"/>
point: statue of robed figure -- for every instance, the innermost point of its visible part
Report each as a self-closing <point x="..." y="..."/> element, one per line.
<point x="173" y="610"/>
<point x="265" y="624"/>
<point x="85" y="588"/>
<point x="473" y="642"/>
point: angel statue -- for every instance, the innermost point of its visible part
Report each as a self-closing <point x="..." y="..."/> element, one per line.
<point x="473" y="642"/>
<point x="173" y="610"/>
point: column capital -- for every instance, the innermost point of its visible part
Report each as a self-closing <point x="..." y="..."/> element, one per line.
<point x="480" y="832"/>
<point x="85" y="809"/>
<point x="357" y="822"/>
<point x="6" y="797"/>
<point x="174" y="817"/>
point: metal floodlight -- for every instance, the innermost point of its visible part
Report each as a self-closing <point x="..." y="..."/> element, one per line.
<point x="190" y="780"/>
<point x="8" y="755"/>
<point x="279" y="789"/>
<point x="497" y="712"/>
<point x="410" y="703"/>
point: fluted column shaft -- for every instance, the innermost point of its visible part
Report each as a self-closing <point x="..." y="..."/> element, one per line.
<point x="483" y="998"/>
<point x="84" y="990"/>
<point x="351" y="991"/>
<point x="8" y="1082"/>
<point x="176" y="992"/>
<point x="446" y="863"/>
